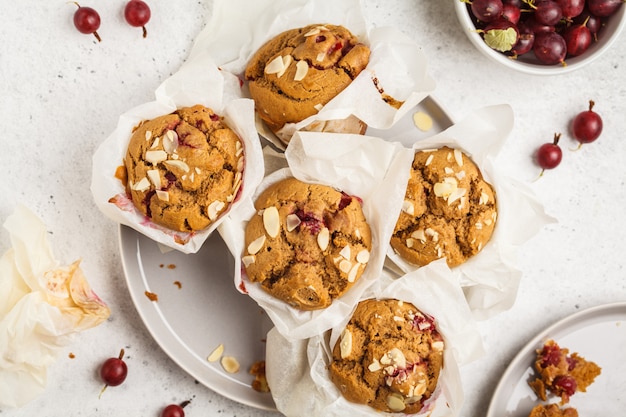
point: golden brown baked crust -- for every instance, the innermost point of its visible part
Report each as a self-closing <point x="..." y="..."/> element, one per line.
<point x="560" y="373"/>
<point x="552" y="410"/>
<point x="300" y="70"/>
<point x="184" y="169"/>
<point x="389" y="357"/>
<point x="449" y="209"/>
<point x="308" y="243"/>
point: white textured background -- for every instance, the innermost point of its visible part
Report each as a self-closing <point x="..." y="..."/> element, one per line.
<point x="62" y="93"/>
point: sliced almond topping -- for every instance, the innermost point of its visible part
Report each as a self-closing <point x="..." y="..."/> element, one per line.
<point x="142" y="185"/>
<point x="395" y="402"/>
<point x="216" y="354"/>
<point x="154" y="177"/>
<point x="148" y="135"/>
<point x="438" y="345"/>
<point x="484" y="198"/>
<point x="275" y="66"/>
<point x="448" y="170"/>
<point x="353" y="272"/>
<point x="312" y="32"/>
<point x="240" y="163"/>
<point x="397" y="358"/>
<point x="456" y="194"/>
<point x="323" y="238"/>
<point x="478" y="225"/>
<point x="449" y="157"/>
<point x="357" y="233"/>
<point x="345" y="266"/>
<point x="363" y="256"/>
<point x="230" y="364"/>
<point x="155" y="143"/>
<point x="302" y="67"/>
<point x="239" y="148"/>
<point x="293" y="221"/>
<point x="345" y="344"/>
<point x="488" y="222"/>
<point x="458" y="157"/>
<point x="419" y="234"/>
<point x="345" y="252"/>
<point x="460" y="175"/>
<point x="318" y="107"/>
<point x="214" y="209"/>
<point x="198" y="170"/>
<point x="271" y="221"/>
<point x="163" y="195"/>
<point x="248" y="260"/>
<point x="432" y="233"/>
<point x="408" y="207"/>
<point x="287" y="60"/>
<point x="320" y="57"/>
<point x="170" y="141"/>
<point x="429" y="160"/>
<point x="256" y="245"/>
<point x="178" y="164"/>
<point x="445" y="188"/>
<point x="154" y="157"/>
<point x="398" y="318"/>
<point x="374" y="366"/>
<point x="422" y="121"/>
<point x="410" y="243"/>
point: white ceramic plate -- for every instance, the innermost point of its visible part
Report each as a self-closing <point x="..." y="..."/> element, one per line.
<point x="598" y="334"/>
<point x="207" y="310"/>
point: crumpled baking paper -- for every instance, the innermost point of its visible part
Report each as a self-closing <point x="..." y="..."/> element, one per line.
<point x="490" y="279"/>
<point x="297" y="371"/>
<point x="370" y="168"/>
<point x="42" y="306"/>
<point x="238" y="28"/>
<point x="198" y="81"/>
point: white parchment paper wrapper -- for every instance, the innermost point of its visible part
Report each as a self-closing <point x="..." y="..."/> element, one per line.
<point x="198" y="81"/>
<point x="238" y="28"/>
<point x="490" y="279"/>
<point x="358" y="165"/>
<point x="297" y="369"/>
<point x="43" y="305"/>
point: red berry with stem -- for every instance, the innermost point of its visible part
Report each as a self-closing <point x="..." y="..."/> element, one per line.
<point x="550" y="48"/>
<point x="486" y="10"/>
<point x="571" y="8"/>
<point x="578" y="39"/>
<point x="587" y="125"/>
<point x="87" y="20"/>
<point x="549" y="155"/>
<point x="113" y="371"/>
<point x="175" y="410"/>
<point x="137" y="13"/>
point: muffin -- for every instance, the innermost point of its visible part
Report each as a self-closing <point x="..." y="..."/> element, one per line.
<point x="389" y="357"/>
<point x="184" y="169"/>
<point x="560" y="373"/>
<point x="552" y="410"/>
<point x="449" y="210"/>
<point x="293" y="75"/>
<point x="307" y="244"/>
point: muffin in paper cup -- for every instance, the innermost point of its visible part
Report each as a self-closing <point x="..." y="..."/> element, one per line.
<point x="196" y="98"/>
<point x="359" y="166"/>
<point x="393" y="82"/>
<point x="297" y="370"/>
<point x="490" y="276"/>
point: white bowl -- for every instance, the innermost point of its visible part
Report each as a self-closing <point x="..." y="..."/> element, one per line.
<point x="527" y="63"/>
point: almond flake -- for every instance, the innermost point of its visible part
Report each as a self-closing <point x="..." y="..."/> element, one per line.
<point x="363" y="256"/>
<point x="445" y="188"/>
<point x="353" y="272"/>
<point x="256" y="245"/>
<point x="438" y="345"/>
<point x="345" y="266"/>
<point x="302" y="67"/>
<point x="240" y="163"/>
<point x="170" y="141"/>
<point x="429" y="160"/>
<point x="214" y="209"/>
<point x="198" y="170"/>
<point x="397" y="358"/>
<point x="312" y="32"/>
<point x="216" y="354"/>
<point x="478" y="225"/>
<point x="248" y="260"/>
<point x="142" y="185"/>
<point x="408" y="207"/>
<point x="230" y="364"/>
<point x="238" y="148"/>
<point x="448" y="170"/>
<point x="154" y="157"/>
<point x="293" y="221"/>
<point x="275" y="66"/>
<point x="178" y="164"/>
<point x="410" y="243"/>
<point x="374" y="366"/>
<point x="460" y="175"/>
<point x="320" y="57"/>
<point x="458" y="157"/>
<point x="345" y="252"/>
<point x="163" y="195"/>
<point x="419" y="234"/>
<point x="148" y="135"/>
<point x="323" y="238"/>
<point x="154" y="177"/>
<point x="422" y="121"/>
<point x="395" y="402"/>
<point x="318" y="107"/>
<point x="345" y="344"/>
<point x="271" y="221"/>
<point x="357" y="233"/>
<point x="432" y="233"/>
<point x="155" y="143"/>
<point x="456" y="194"/>
<point x="484" y="198"/>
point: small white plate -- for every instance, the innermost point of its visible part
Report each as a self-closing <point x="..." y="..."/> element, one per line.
<point x="207" y="310"/>
<point x="598" y="334"/>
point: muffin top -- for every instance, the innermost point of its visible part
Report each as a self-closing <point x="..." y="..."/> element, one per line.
<point x="307" y="244"/>
<point x="389" y="356"/>
<point x="449" y="210"/>
<point x="184" y="169"/>
<point x="300" y="70"/>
